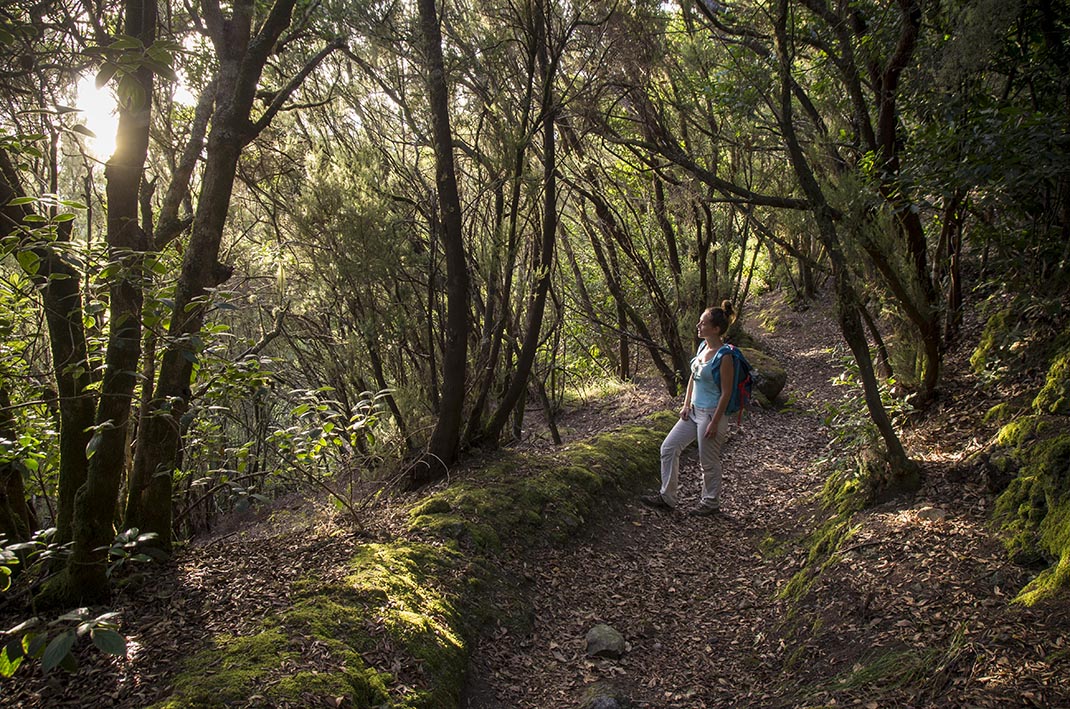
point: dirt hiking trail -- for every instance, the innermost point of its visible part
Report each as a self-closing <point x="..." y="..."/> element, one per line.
<point x="696" y="597"/>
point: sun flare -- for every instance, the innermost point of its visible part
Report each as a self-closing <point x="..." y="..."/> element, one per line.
<point x="98" y="115"/>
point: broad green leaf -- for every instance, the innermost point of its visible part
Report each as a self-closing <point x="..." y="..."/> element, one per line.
<point x="9" y="660"/>
<point x="131" y="93"/>
<point x="29" y="261"/>
<point x="109" y="641"/>
<point x="82" y="130"/>
<point x="161" y="70"/>
<point x="57" y="650"/>
<point x="33" y="644"/>
<point x="94" y="444"/>
<point x="126" y="42"/>
<point x="21" y="200"/>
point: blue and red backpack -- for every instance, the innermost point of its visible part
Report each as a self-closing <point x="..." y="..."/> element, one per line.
<point x="744" y="382"/>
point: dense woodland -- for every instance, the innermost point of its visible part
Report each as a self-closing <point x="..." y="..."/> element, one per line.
<point x="341" y="247"/>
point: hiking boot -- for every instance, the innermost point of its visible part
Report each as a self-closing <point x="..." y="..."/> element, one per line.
<point x="704" y="511"/>
<point x="655" y="501"/>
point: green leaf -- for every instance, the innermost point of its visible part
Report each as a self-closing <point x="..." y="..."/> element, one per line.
<point x="21" y="200"/>
<point x="9" y="663"/>
<point x="105" y="74"/>
<point x="57" y="650"/>
<point x="82" y="130"/>
<point x="93" y="445"/>
<point x="109" y="641"/>
<point x="130" y="92"/>
<point x="161" y="70"/>
<point x="34" y="644"/>
<point x="65" y="217"/>
<point x="13" y="649"/>
<point x="69" y="663"/>
<point x="29" y="261"/>
<point x="126" y="42"/>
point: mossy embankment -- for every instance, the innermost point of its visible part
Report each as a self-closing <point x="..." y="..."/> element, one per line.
<point x="1032" y="452"/>
<point x="418" y="600"/>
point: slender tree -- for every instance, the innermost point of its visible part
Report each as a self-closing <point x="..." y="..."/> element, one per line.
<point x="442" y="450"/>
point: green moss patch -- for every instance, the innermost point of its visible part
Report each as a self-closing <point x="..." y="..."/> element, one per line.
<point x="231" y="670"/>
<point x="1054" y="397"/>
<point x="1033" y="513"/>
<point x="994" y="349"/>
<point x="845" y="492"/>
<point x="525" y="500"/>
<point x="404" y="595"/>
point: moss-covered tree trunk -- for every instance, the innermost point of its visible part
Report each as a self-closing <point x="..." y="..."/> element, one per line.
<point x="60" y="288"/>
<point x="17" y="520"/>
<point x="85" y="580"/>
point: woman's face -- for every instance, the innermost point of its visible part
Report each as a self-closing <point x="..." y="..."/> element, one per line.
<point x="705" y="329"/>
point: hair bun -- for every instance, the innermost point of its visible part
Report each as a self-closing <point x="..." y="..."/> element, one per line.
<point x="729" y="310"/>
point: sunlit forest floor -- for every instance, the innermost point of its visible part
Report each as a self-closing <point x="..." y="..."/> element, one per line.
<point x="913" y="611"/>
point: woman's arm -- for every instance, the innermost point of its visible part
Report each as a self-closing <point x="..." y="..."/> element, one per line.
<point x="685" y="411"/>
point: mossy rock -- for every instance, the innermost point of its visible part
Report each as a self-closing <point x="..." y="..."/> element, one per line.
<point x="498" y="505"/>
<point x="1054" y="397"/>
<point x="1033" y="513"/>
<point x="774" y="376"/>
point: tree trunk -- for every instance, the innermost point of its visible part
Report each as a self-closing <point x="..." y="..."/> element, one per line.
<point x="904" y="473"/>
<point x="442" y="450"/>
<point x="241" y="60"/>
<point x="542" y="266"/>
<point x="60" y="288"/>
<point x="17" y="520"/>
<point x="85" y="580"/>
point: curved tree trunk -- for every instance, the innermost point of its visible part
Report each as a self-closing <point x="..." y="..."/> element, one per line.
<point x="903" y="471"/>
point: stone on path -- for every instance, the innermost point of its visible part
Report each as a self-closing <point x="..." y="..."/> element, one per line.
<point x="931" y="514"/>
<point x="604" y="641"/>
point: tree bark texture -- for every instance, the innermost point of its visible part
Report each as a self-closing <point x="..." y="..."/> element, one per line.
<point x="95" y="502"/>
<point x="60" y="288"/>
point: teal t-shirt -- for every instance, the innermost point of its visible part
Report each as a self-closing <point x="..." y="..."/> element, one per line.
<point x="706" y="392"/>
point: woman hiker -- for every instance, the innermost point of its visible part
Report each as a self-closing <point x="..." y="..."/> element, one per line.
<point x="702" y="417"/>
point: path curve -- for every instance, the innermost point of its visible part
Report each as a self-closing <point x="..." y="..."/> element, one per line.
<point x="693" y="597"/>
